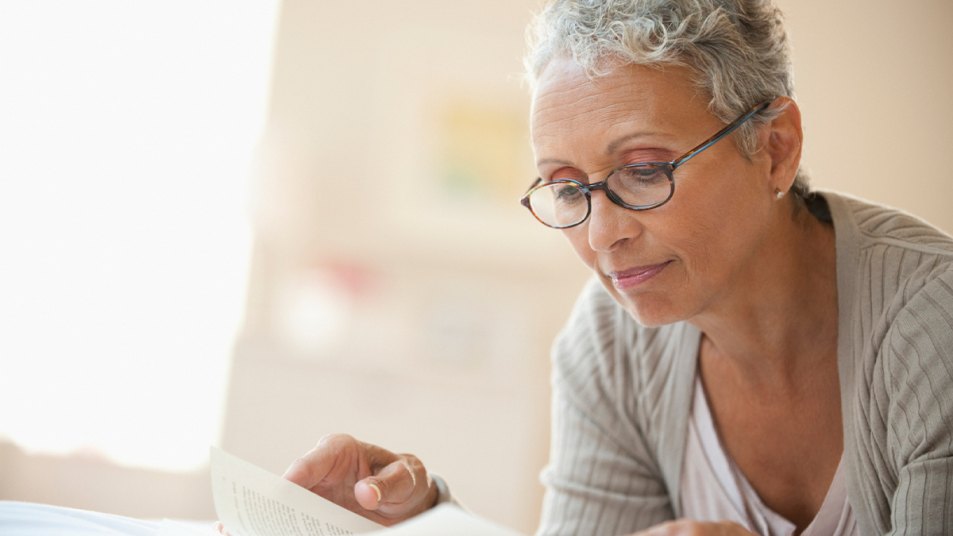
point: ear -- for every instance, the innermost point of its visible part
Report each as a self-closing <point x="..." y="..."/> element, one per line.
<point x="783" y="144"/>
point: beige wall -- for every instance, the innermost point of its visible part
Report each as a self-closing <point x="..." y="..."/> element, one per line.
<point x="90" y="482"/>
<point x="357" y="127"/>
<point x="873" y="81"/>
<point x="455" y="293"/>
<point x="445" y="353"/>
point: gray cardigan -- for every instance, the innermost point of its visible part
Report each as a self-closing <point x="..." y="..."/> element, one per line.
<point x="622" y="392"/>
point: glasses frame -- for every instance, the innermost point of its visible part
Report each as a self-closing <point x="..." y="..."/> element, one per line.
<point x="667" y="167"/>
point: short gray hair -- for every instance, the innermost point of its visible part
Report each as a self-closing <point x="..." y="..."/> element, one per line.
<point x="738" y="49"/>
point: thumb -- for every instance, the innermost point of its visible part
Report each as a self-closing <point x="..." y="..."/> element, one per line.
<point x="368" y="493"/>
<point x="394" y="484"/>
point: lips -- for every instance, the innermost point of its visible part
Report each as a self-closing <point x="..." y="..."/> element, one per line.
<point x="633" y="277"/>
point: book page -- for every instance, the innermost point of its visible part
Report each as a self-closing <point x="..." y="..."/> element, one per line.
<point x="250" y="501"/>
<point x="443" y="520"/>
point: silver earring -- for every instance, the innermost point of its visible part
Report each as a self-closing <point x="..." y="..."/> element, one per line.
<point x="778" y="193"/>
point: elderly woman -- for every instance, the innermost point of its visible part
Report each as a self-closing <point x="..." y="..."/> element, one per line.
<point x="750" y="355"/>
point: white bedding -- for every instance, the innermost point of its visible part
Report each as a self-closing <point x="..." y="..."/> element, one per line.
<point x="32" y="519"/>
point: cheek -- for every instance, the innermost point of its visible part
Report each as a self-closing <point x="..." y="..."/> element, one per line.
<point x="719" y="238"/>
<point x="700" y="237"/>
<point x="693" y="240"/>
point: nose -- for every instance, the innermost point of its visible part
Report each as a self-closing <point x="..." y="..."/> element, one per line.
<point x="609" y="224"/>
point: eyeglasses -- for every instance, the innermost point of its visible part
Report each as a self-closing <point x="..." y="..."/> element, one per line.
<point x="565" y="203"/>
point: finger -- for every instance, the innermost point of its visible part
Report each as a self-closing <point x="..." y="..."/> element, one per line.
<point x="311" y="468"/>
<point x="377" y="458"/>
<point x="395" y="484"/>
<point x="368" y="494"/>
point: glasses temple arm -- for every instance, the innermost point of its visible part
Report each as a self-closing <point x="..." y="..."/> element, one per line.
<point x="721" y="134"/>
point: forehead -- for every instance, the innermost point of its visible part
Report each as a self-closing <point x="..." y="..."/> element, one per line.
<point x="568" y="101"/>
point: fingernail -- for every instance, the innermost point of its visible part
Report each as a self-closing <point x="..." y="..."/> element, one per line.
<point x="377" y="490"/>
<point x="413" y="477"/>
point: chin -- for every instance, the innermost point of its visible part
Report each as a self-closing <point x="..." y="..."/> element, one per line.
<point x="652" y="320"/>
<point x="650" y="309"/>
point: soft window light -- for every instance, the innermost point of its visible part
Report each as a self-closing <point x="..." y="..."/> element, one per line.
<point x="127" y="133"/>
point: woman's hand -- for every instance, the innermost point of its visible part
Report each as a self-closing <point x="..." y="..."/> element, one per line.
<point x="366" y="479"/>
<point x="685" y="527"/>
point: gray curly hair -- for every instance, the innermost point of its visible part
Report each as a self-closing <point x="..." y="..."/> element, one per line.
<point x="737" y="48"/>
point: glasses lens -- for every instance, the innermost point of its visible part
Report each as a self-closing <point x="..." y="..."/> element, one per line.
<point x="642" y="185"/>
<point x="559" y="204"/>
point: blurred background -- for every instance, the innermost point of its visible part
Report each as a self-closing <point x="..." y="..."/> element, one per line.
<point x="253" y="223"/>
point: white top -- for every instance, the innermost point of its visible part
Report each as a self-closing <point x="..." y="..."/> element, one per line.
<point x="713" y="488"/>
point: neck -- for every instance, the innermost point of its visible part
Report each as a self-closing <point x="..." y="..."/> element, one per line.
<point x="778" y="320"/>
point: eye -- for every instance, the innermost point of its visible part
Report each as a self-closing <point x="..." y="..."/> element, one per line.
<point x="641" y="175"/>
<point x="567" y="193"/>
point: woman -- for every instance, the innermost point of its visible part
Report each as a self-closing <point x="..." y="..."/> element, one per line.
<point x="750" y="356"/>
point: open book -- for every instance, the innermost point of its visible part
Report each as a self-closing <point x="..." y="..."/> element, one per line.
<point x="250" y="501"/>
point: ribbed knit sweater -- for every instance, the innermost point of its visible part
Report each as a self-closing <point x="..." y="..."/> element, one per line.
<point x="622" y="392"/>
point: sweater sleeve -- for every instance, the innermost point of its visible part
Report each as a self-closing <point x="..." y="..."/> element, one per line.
<point x="918" y="374"/>
<point x="601" y="478"/>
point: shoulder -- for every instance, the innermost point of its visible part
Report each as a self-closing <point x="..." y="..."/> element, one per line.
<point x="597" y="326"/>
<point x="895" y="283"/>
<point x="895" y="295"/>
<point x="917" y="348"/>
<point x="890" y="265"/>
<point x="905" y="417"/>
<point x="603" y="357"/>
<point x="601" y="338"/>
<point x="870" y="225"/>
